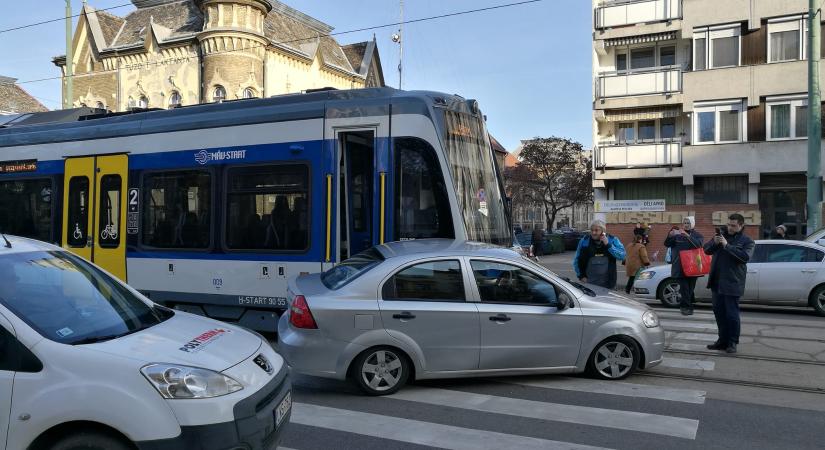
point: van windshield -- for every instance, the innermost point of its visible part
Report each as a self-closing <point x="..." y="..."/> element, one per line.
<point x="351" y="268"/>
<point x="68" y="300"/>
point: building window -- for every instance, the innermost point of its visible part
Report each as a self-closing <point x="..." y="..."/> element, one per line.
<point x="667" y="56"/>
<point x="786" y="39"/>
<point x="621" y="62"/>
<point x="647" y="131"/>
<point x="670" y="189"/>
<point x="143" y="102"/>
<point x="787" y="118"/>
<point x="717" y="47"/>
<point x="100" y="105"/>
<point x="175" y="100"/>
<point x="724" y="189"/>
<point x="642" y="58"/>
<point x="716" y="124"/>
<point x="667" y="128"/>
<point x="626" y="133"/>
<point x="219" y="94"/>
<point x="249" y="93"/>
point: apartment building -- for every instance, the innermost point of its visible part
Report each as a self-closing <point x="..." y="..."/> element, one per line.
<point x="702" y="103"/>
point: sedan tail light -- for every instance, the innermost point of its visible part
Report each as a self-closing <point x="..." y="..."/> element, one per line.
<point x="299" y="314"/>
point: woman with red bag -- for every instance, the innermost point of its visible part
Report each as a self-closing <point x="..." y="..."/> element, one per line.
<point x="689" y="241"/>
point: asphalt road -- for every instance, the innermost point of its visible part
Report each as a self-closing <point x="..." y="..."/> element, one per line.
<point x="771" y="395"/>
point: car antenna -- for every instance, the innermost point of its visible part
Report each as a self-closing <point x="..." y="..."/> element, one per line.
<point x="8" y="244"/>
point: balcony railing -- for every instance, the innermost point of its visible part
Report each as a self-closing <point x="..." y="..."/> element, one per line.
<point x="629" y="156"/>
<point x="648" y="81"/>
<point x="628" y="12"/>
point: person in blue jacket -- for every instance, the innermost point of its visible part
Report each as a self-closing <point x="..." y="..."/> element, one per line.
<point x="596" y="256"/>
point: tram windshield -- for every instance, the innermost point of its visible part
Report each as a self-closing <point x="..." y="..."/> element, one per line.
<point x="475" y="179"/>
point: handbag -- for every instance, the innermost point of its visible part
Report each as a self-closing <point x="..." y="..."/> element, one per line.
<point x="695" y="263"/>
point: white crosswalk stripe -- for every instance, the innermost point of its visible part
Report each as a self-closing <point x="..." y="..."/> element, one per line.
<point x="418" y="432"/>
<point x="607" y="418"/>
<point x="612" y="388"/>
<point x="686" y="363"/>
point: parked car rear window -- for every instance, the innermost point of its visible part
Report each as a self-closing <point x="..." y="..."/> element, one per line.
<point x="70" y="301"/>
<point x="351" y="268"/>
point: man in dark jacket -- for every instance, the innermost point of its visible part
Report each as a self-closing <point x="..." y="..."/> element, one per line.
<point x="538" y="242"/>
<point x="677" y="241"/>
<point x="731" y="251"/>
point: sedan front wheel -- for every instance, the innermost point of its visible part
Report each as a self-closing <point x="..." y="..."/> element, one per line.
<point x="614" y="359"/>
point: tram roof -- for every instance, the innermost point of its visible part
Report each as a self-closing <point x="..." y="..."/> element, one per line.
<point x="88" y="123"/>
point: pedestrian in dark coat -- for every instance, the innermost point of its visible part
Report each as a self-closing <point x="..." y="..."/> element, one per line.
<point x="731" y="250"/>
<point x="538" y="242"/>
<point x="780" y="232"/>
<point x="678" y="240"/>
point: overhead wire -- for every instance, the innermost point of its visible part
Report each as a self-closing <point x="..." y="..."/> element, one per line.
<point x="314" y="37"/>
<point x="21" y="27"/>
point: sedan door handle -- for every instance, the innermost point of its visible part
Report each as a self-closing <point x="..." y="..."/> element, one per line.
<point x="500" y="318"/>
<point x="809" y="271"/>
<point x="404" y="316"/>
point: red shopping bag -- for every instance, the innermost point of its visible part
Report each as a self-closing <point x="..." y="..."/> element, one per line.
<point x="695" y="262"/>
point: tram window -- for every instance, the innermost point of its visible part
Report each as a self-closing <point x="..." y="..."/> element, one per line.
<point x="177" y="209"/>
<point x="422" y="207"/>
<point x="78" y="212"/>
<point x="109" y="214"/>
<point x="26" y="208"/>
<point x="267" y="208"/>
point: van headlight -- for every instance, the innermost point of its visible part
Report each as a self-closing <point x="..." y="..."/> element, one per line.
<point x="646" y="275"/>
<point x="177" y="381"/>
<point x="650" y="319"/>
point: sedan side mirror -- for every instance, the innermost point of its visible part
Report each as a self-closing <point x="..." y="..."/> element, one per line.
<point x="564" y="302"/>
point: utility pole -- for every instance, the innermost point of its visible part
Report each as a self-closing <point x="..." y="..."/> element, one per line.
<point x="67" y="101"/>
<point x="398" y="39"/>
<point x="814" y="120"/>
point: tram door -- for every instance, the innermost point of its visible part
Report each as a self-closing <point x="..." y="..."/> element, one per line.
<point x="357" y="169"/>
<point x="94" y="210"/>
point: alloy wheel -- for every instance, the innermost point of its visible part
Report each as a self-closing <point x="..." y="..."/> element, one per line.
<point x="614" y="359"/>
<point x="671" y="294"/>
<point x="382" y="370"/>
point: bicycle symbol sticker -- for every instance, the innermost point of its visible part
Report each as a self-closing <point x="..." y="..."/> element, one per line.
<point x="109" y="232"/>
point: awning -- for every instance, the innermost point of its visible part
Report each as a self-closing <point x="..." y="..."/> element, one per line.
<point x="630" y="40"/>
<point x="629" y="115"/>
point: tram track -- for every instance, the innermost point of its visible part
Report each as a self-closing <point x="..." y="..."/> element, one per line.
<point x="773" y="386"/>
<point x="750" y="357"/>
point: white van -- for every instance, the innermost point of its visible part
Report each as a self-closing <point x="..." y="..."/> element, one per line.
<point x="86" y="362"/>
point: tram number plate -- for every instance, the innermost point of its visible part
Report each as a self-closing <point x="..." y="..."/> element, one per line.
<point x="283" y="409"/>
<point x="278" y="302"/>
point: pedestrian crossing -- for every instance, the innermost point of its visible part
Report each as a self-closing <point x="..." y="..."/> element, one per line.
<point x="533" y="412"/>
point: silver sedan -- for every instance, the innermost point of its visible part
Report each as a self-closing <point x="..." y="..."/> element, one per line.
<point x="442" y="309"/>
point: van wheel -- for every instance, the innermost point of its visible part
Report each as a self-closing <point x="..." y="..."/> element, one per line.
<point x="818" y="300"/>
<point x="669" y="293"/>
<point x="90" y="441"/>
<point x="381" y="371"/>
<point x="614" y="358"/>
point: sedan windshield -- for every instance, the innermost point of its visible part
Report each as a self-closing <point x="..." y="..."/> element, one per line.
<point x="68" y="300"/>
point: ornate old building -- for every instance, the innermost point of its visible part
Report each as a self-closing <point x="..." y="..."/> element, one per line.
<point x="168" y="53"/>
<point x="15" y="100"/>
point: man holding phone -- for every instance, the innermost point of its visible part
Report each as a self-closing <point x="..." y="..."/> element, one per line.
<point x="731" y="250"/>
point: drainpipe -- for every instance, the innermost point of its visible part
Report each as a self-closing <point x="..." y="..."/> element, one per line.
<point x="814" y="120"/>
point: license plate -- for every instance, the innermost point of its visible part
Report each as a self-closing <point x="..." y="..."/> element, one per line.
<point x="283" y="409"/>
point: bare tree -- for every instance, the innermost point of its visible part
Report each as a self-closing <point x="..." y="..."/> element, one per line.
<point x="521" y="187"/>
<point x="562" y="174"/>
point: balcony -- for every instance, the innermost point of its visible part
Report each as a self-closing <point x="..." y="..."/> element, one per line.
<point x="621" y="13"/>
<point x="664" y="80"/>
<point x="631" y="156"/>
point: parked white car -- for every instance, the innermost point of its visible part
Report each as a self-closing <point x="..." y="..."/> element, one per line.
<point x="789" y="273"/>
<point x="88" y="362"/>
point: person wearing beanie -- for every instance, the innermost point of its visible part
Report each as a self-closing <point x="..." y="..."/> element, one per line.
<point x="596" y="256"/>
<point x="686" y="238"/>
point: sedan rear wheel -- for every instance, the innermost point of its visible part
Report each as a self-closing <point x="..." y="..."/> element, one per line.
<point x="669" y="293"/>
<point x="818" y="300"/>
<point x="381" y="371"/>
<point x="614" y="359"/>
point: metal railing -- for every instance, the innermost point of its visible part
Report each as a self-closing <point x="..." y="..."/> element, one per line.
<point x="610" y="155"/>
<point x="647" y="81"/>
<point x="628" y="12"/>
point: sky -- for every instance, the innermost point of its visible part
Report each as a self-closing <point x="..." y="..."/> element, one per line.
<point x="528" y="65"/>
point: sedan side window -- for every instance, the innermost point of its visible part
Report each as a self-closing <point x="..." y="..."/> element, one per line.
<point x="504" y="283"/>
<point x="785" y="253"/>
<point x="6" y="355"/>
<point x="814" y="255"/>
<point x="430" y="281"/>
